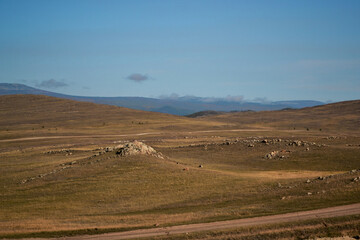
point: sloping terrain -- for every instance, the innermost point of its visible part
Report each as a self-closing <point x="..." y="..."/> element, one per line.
<point x="341" y="116"/>
<point x="202" y="171"/>
<point x="33" y="115"/>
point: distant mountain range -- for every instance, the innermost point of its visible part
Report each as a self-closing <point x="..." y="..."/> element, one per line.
<point x="176" y="106"/>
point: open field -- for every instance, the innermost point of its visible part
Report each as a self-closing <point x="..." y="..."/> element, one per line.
<point x="56" y="176"/>
<point x="328" y="222"/>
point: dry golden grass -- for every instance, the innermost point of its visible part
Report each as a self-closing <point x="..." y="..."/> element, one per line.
<point x="35" y="115"/>
<point x="337" y="118"/>
<point x="340" y="228"/>
<point x="106" y="191"/>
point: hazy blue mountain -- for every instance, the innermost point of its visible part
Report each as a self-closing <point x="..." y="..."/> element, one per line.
<point x="177" y="106"/>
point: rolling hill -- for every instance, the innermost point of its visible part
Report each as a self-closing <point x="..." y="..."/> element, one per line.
<point x="59" y="179"/>
<point x="39" y="114"/>
<point x="176" y="106"/>
<point x="334" y="116"/>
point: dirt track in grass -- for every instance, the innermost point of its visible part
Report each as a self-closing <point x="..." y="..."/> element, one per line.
<point x="220" y="225"/>
<point x="132" y="134"/>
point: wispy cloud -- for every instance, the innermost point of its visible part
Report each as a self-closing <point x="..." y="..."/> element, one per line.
<point x="261" y="100"/>
<point x="138" y="77"/>
<point x="229" y="98"/>
<point x="52" y="83"/>
<point x="173" y="96"/>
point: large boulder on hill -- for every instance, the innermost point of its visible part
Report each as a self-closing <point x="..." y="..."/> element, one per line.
<point x="136" y="148"/>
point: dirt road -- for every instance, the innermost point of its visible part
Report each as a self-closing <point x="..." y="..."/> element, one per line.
<point x="288" y="217"/>
<point x="134" y="134"/>
<point x="76" y="136"/>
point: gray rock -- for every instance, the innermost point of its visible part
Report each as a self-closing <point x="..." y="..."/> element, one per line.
<point x="109" y="149"/>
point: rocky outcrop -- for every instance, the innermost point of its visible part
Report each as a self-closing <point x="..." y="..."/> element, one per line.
<point x="136" y="148"/>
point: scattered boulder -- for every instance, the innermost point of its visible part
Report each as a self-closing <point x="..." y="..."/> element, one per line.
<point x="296" y="143"/>
<point x="109" y="149"/>
<point x="68" y="163"/>
<point x="272" y="154"/>
<point x="66" y="151"/>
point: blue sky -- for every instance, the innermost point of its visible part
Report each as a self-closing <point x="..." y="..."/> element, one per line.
<point x="274" y="50"/>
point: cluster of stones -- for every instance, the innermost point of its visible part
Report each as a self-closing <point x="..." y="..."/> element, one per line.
<point x="356" y="179"/>
<point x="251" y="142"/>
<point x="322" y="178"/>
<point x="336" y="137"/>
<point x="66" y="151"/>
<point x="298" y="143"/>
<point x="277" y="154"/>
<point x="63" y="166"/>
<point x="272" y="155"/>
<point x="127" y="149"/>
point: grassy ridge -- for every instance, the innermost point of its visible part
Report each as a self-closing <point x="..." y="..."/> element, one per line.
<point x="336" y="117"/>
<point x="36" y="115"/>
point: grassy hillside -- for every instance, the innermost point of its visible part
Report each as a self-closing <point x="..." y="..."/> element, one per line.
<point x="342" y="116"/>
<point x="211" y="169"/>
<point x="39" y="115"/>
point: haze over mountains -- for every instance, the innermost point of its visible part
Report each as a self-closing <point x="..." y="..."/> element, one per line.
<point x="172" y="105"/>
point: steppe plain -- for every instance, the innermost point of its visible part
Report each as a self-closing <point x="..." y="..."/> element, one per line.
<point x="59" y="179"/>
